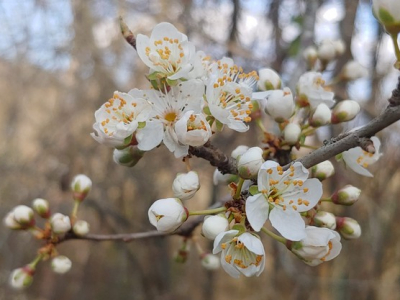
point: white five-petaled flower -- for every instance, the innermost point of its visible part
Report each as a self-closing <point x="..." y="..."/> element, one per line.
<point x="320" y="245"/>
<point x="358" y="159"/>
<point x="167" y="52"/>
<point x="311" y="91"/>
<point x="241" y="253"/>
<point x="229" y="92"/>
<point x="119" y="118"/>
<point x="168" y="109"/>
<point x="283" y="196"/>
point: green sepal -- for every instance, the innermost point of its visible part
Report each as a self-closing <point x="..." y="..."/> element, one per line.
<point x="219" y="125"/>
<point x="171" y="82"/>
<point x="302" y="139"/>
<point x="385" y="17"/>
<point x="339" y="157"/>
<point x="154" y="76"/>
<point x="141" y="125"/>
<point x="253" y="190"/>
<point x="207" y="111"/>
<point x="240" y="228"/>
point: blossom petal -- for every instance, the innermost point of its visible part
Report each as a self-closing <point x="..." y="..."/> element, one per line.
<point x="306" y="196"/>
<point x="263" y="176"/>
<point x="288" y="223"/>
<point x="257" y="209"/>
<point x="150" y="136"/>
<point x="252" y="243"/>
<point x="223" y="237"/>
<point x="350" y="158"/>
<point x="230" y="269"/>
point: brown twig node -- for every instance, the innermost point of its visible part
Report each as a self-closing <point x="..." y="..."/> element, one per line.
<point x="127" y="33"/>
<point x="394" y="100"/>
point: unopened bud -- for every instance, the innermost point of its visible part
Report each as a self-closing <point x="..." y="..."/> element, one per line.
<point x="348" y="228"/>
<point x="291" y="133"/>
<point x="347" y="195"/>
<point x="311" y="55"/>
<point x="324" y="219"/>
<point x="268" y="80"/>
<point x="339" y="46"/>
<point x="183" y="252"/>
<point x="344" y="111"/>
<point x="239" y="150"/>
<point x="24" y="216"/>
<point x="388" y="14"/>
<point x="128" y="156"/>
<point x="186" y="185"/>
<point x="60" y="223"/>
<point x="41" y="207"/>
<point x="10" y="223"/>
<point x="22" y="277"/>
<point x="323" y="170"/>
<point x="167" y="214"/>
<point x="280" y="105"/>
<point x="353" y="70"/>
<point x="81" y="185"/>
<point x="81" y="228"/>
<point x="326" y="51"/>
<point x="210" y="262"/>
<point x="61" y="264"/>
<point x="249" y="163"/>
<point x="214" y="225"/>
<point x="218" y="177"/>
<point x="321" y="116"/>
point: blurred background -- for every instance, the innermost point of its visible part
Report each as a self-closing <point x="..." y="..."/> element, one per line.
<point x="61" y="59"/>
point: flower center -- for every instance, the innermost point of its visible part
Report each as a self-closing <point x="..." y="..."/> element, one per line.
<point x="170" y="117"/>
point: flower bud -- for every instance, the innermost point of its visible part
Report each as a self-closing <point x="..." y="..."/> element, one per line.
<point x="186" y="185"/>
<point x="326" y="51"/>
<point x="167" y="214"/>
<point x="41" y="207"/>
<point x="81" y="185"/>
<point x="60" y="223"/>
<point x="388" y="14"/>
<point x="347" y="195"/>
<point x="81" y="228"/>
<point x="10" y="223"/>
<point x="323" y="170"/>
<point x="24" y="216"/>
<point x="250" y="162"/>
<point x="311" y="55"/>
<point x="210" y="262"/>
<point x="214" y="225"/>
<point x="348" y="228"/>
<point x="128" y="156"/>
<point x="239" y="150"/>
<point x="61" y="264"/>
<point x="183" y="252"/>
<point x="218" y="177"/>
<point x="268" y="80"/>
<point x="344" y="111"/>
<point x="22" y="277"/>
<point x="324" y="219"/>
<point x="321" y="116"/>
<point x="353" y="70"/>
<point x="291" y="133"/>
<point x="340" y="47"/>
<point x="280" y="105"/>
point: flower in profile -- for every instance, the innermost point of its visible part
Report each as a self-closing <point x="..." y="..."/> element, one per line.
<point x="229" y="92"/>
<point x="320" y="245"/>
<point x="311" y="91"/>
<point x="388" y="14"/>
<point x="22" y="277"/>
<point x="168" y="109"/>
<point x="119" y="118"/>
<point x="193" y="129"/>
<point x="167" y="214"/>
<point x="358" y="159"/>
<point x="283" y="196"/>
<point x="242" y="253"/>
<point x="167" y="52"/>
<point x="269" y="80"/>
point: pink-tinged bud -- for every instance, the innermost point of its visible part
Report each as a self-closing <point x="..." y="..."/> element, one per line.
<point x="22" y="277"/>
<point x="128" y="156"/>
<point x="344" y="111"/>
<point x="167" y="214"/>
<point x="81" y="228"/>
<point x="321" y="116"/>
<point x="239" y="150"/>
<point x="324" y="219"/>
<point x="186" y="185"/>
<point x="61" y="264"/>
<point x="347" y="195"/>
<point x="41" y="207"/>
<point x="60" y="223"/>
<point x="348" y="228"/>
<point x="249" y="163"/>
<point x="214" y="225"/>
<point x="210" y="262"/>
<point x="280" y="105"/>
<point x="323" y="170"/>
<point x="268" y="80"/>
<point x="353" y="70"/>
<point x="10" y="223"/>
<point x="81" y="185"/>
<point x="291" y="133"/>
<point x="388" y="14"/>
<point x="24" y="216"/>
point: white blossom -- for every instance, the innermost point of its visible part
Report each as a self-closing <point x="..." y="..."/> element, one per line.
<point x="193" y="129"/>
<point x="288" y="193"/>
<point x="242" y="253"/>
<point x="279" y="104"/>
<point x="167" y="214"/>
<point x="268" y="80"/>
<point x="311" y="91"/>
<point x="186" y="185"/>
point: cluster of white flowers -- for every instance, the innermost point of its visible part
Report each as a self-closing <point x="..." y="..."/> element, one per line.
<point x="55" y="226"/>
